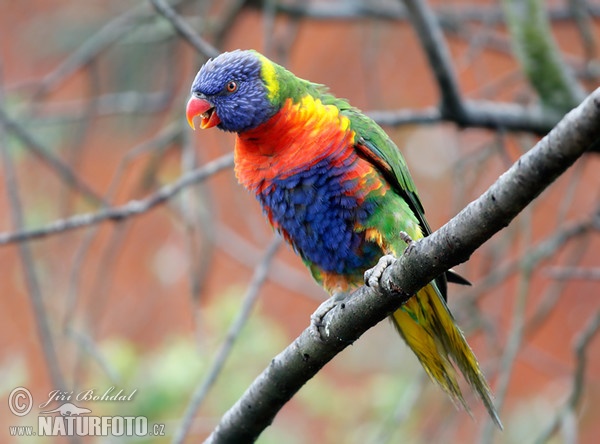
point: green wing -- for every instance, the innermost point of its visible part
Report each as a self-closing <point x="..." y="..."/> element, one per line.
<point x="375" y="146"/>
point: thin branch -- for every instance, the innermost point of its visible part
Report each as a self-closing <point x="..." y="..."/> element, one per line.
<point x="428" y="116"/>
<point x="185" y="30"/>
<point x="196" y="210"/>
<point x="423" y="261"/>
<point x="571" y="273"/>
<point x="164" y="137"/>
<point x="583" y="19"/>
<point x="453" y="107"/>
<point x="451" y="17"/>
<point x="539" y="55"/>
<point x="87" y="344"/>
<point x="545" y="306"/>
<point x="431" y="37"/>
<point x="227" y="21"/>
<point x="408" y="400"/>
<point x="515" y="335"/>
<point x="99" y="297"/>
<point x="63" y="171"/>
<point x="40" y="315"/>
<point x="259" y="277"/>
<point x="90" y="49"/>
<point x="476" y="114"/>
<point x="536" y="255"/>
<point x="128" y="102"/>
<point x="574" y="399"/>
<point x="246" y="253"/>
<point x="74" y="150"/>
<point x="130" y="209"/>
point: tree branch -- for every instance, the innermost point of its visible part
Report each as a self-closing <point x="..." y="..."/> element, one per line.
<point x="451" y="16"/>
<point x="30" y="275"/>
<point x="89" y="50"/>
<point x="185" y="30"/>
<point x="573" y="401"/>
<point x="539" y="55"/>
<point x="432" y="39"/>
<point x="258" y="279"/>
<point x="130" y="209"/>
<point x="567" y="273"/>
<point x="62" y="170"/>
<point x="476" y="114"/>
<point x="450" y="245"/>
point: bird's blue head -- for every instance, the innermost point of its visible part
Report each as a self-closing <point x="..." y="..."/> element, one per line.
<point x="232" y="93"/>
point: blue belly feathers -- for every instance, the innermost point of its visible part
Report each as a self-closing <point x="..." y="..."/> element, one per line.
<point x="319" y="215"/>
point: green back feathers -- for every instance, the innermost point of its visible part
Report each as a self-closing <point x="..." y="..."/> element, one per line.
<point x="376" y="146"/>
<point x="372" y="142"/>
<point x="281" y="84"/>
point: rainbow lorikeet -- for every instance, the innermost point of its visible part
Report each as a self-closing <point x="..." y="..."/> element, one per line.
<point x="336" y="187"/>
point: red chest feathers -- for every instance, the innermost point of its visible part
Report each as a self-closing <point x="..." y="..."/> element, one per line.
<point x="298" y="137"/>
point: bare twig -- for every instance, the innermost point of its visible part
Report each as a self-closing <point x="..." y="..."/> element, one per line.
<point x="128" y="102"/>
<point x="426" y="259"/>
<point x="571" y="273"/>
<point x="450" y="17"/>
<point x="431" y="37"/>
<point x="582" y="16"/>
<point x="252" y="292"/>
<point x="539" y="56"/>
<point x="89" y="50"/>
<point x="130" y="209"/>
<point x="185" y="30"/>
<point x="228" y="18"/>
<point x="536" y="255"/>
<point x="40" y="315"/>
<point x="551" y="296"/>
<point x="195" y="210"/>
<point x="453" y="106"/>
<point x="477" y="114"/>
<point x="99" y="301"/>
<point x="75" y="149"/>
<point x="62" y="170"/>
<point x="288" y="277"/>
<point x="515" y="335"/>
<point x="574" y="399"/>
<point x="407" y="401"/>
<point x="167" y="135"/>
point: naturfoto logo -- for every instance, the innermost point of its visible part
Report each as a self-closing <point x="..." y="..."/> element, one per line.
<point x="70" y="419"/>
<point x="111" y="394"/>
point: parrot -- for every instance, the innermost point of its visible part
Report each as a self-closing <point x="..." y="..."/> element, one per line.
<point x="338" y="190"/>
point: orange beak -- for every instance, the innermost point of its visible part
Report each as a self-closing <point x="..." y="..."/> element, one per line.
<point x="199" y="107"/>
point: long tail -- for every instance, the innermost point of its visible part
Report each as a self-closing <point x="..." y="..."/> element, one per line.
<point x="427" y="326"/>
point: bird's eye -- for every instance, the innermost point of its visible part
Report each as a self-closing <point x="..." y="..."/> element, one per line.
<point x="231" y="86"/>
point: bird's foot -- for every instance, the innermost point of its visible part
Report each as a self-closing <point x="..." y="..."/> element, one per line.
<point x="407" y="239"/>
<point x="318" y="326"/>
<point x="373" y="275"/>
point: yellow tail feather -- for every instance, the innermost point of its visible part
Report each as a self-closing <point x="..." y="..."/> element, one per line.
<point x="428" y="328"/>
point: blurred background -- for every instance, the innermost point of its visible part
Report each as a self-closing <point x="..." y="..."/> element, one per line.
<point x="159" y="289"/>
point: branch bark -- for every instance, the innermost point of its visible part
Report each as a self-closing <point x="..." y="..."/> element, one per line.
<point x="432" y="39"/>
<point x="117" y="214"/>
<point x="450" y="245"/>
<point x="476" y="114"/>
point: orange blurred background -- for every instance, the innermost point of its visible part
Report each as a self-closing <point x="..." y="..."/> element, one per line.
<point x="145" y="303"/>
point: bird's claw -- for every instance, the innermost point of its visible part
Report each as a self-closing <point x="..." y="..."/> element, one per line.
<point x="317" y="319"/>
<point x="373" y="275"/>
<point x="407" y="239"/>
